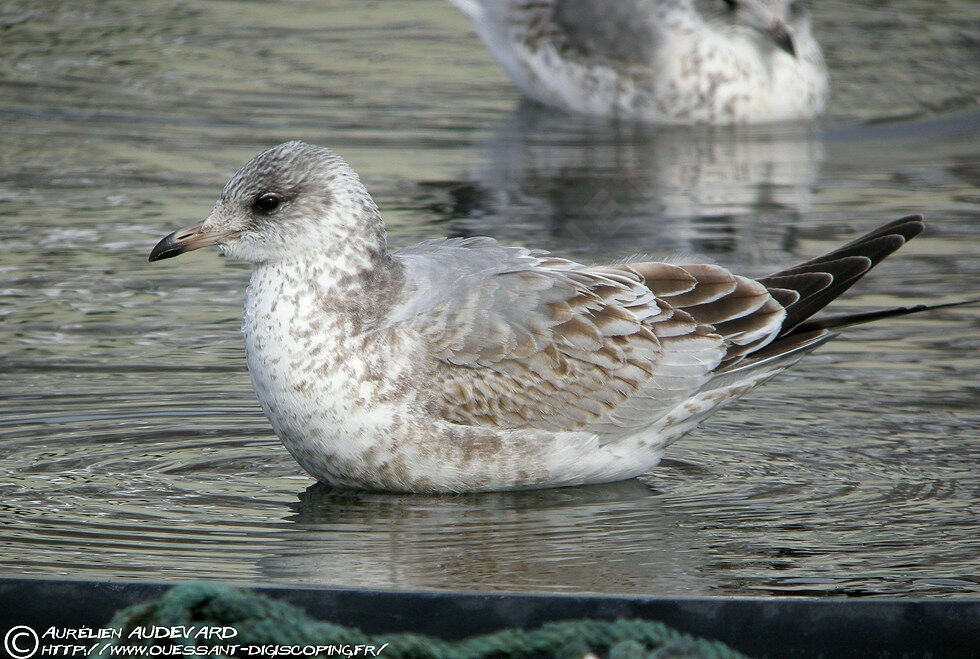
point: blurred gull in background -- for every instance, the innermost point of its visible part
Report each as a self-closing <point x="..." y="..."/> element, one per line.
<point x="660" y="61"/>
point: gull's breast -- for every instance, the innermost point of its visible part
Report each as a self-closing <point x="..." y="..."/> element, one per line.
<point x="333" y="398"/>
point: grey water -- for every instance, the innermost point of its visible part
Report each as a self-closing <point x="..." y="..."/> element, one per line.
<point x="131" y="445"/>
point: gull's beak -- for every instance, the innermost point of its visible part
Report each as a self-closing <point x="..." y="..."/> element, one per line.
<point x="780" y="34"/>
<point x="186" y="240"/>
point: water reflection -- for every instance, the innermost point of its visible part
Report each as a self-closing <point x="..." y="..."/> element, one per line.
<point x="597" y="538"/>
<point x="572" y="182"/>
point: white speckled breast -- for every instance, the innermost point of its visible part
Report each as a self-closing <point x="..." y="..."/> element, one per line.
<point x="331" y="395"/>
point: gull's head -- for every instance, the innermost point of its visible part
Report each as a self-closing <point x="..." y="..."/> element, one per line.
<point x="289" y="199"/>
<point x="777" y="21"/>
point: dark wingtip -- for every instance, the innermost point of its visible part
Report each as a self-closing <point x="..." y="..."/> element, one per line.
<point x="909" y="227"/>
<point x="846" y="265"/>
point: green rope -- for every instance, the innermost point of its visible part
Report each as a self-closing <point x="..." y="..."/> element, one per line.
<point x="262" y="620"/>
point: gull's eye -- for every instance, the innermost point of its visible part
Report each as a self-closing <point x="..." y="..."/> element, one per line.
<point x="266" y="203"/>
<point x="732" y="4"/>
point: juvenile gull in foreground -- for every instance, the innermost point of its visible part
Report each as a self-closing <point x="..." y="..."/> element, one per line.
<point x="661" y="61"/>
<point x="461" y="364"/>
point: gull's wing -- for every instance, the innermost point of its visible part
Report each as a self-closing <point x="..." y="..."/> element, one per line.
<point x="525" y="340"/>
<point x="623" y="31"/>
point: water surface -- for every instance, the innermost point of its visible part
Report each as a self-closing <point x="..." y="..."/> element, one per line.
<point x="131" y="446"/>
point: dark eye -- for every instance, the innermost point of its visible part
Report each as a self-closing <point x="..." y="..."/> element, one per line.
<point x="266" y="203"/>
<point x="732" y="4"/>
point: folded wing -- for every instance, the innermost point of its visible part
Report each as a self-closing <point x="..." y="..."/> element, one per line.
<point x="525" y="340"/>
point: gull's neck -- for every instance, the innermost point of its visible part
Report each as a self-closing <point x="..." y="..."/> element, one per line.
<point x="348" y="274"/>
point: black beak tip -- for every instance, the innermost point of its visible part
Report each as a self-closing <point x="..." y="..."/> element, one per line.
<point x="785" y="42"/>
<point x="166" y="248"/>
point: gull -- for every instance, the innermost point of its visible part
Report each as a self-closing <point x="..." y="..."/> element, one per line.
<point x="465" y="365"/>
<point x="660" y="61"/>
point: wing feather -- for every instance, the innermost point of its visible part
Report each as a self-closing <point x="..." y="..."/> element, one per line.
<point x="547" y="343"/>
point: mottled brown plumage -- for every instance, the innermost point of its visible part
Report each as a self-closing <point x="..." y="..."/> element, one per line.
<point x="607" y="348"/>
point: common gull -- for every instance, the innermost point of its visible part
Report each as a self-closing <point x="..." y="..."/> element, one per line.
<point x="462" y="364"/>
<point x="661" y="61"/>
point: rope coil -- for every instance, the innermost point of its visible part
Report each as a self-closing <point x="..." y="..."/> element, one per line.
<point x="264" y="621"/>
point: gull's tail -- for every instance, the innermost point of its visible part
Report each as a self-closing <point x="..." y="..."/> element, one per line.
<point x="846" y="320"/>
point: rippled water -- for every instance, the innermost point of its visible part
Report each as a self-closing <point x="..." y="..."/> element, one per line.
<point x="131" y="446"/>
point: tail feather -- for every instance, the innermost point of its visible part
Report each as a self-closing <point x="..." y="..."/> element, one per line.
<point x="776" y="356"/>
<point x="846" y="320"/>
